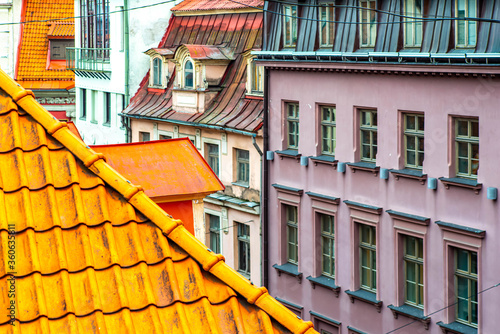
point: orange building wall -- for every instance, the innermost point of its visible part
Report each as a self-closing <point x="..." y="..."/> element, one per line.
<point x="182" y="210"/>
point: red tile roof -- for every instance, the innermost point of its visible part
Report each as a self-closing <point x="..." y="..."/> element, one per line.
<point x="34" y="43"/>
<point x="192" y="5"/>
<point x="185" y="174"/>
<point x="231" y="108"/>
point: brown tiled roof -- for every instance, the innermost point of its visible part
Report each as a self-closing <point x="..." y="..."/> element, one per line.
<point x="94" y="254"/>
<point x="192" y="5"/>
<point x="231" y="108"/>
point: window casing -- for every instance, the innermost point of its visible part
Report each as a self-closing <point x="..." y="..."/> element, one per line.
<point x="367" y="23"/>
<point x="327" y="245"/>
<point x="83" y="105"/>
<point x="242" y="166"/>
<point x="368" y="132"/>
<point x="188" y="78"/>
<point x="467" y="147"/>
<point x="243" y="249"/>
<point x="94" y="27"/>
<point x="466" y="277"/>
<point x="328" y="130"/>
<point x="414" y="140"/>
<point x="107" y="108"/>
<point x="292" y="124"/>
<point x="465" y="30"/>
<point x="257" y="78"/>
<point x="413" y="28"/>
<point x="367" y="255"/>
<point x="144" y="136"/>
<point x="289" y="26"/>
<point x="292" y="234"/>
<point x="157" y="72"/>
<point x="326" y="28"/>
<point x="212" y="157"/>
<point x="414" y="271"/>
<point x="214" y="233"/>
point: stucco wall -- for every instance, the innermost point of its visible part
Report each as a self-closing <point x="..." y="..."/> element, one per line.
<point x="227" y="176"/>
<point x="439" y="98"/>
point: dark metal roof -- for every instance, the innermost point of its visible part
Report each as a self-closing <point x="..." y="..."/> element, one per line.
<point x="231" y="108"/>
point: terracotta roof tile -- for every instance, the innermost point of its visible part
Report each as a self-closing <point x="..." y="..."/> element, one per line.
<point x="34" y="44"/>
<point x="200" y="5"/>
<point x="139" y="163"/>
<point x="95" y="254"/>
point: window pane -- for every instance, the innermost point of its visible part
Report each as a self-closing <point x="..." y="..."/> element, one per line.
<point x="463" y="128"/>
<point x="462" y="260"/>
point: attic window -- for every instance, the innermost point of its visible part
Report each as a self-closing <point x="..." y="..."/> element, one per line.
<point x="255" y="82"/>
<point x="188" y="74"/>
<point x="157" y="72"/>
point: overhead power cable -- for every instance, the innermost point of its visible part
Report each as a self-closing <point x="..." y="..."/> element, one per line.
<point x="86" y="16"/>
<point x="414" y="19"/>
<point x="444" y="308"/>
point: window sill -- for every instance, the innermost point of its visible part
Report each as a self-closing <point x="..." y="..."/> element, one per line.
<point x="156" y="89"/>
<point x="410" y="312"/>
<point x="325" y="159"/>
<point x="259" y="95"/>
<point x="107" y="124"/>
<point x="325" y="282"/>
<point x="241" y="184"/>
<point x="364" y="166"/>
<point x="407" y="173"/>
<point x="461" y="182"/>
<point x="457" y="328"/>
<point x="244" y="274"/>
<point x="365" y="296"/>
<point x="291" y="154"/>
<point x="83" y="119"/>
<point x="289" y="269"/>
<point x="93" y="122"/>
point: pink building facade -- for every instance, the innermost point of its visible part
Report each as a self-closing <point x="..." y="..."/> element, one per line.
<point x="380" y="179"/>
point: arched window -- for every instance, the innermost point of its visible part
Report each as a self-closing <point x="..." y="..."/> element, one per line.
<point x="188" y="74"/>
<point x="157" y="72"/>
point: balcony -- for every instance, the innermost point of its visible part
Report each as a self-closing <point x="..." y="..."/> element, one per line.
<point x="90" y="63"/>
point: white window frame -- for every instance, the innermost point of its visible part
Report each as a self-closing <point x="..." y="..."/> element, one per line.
<point x="293" y="21"/>
<point x="183" y="73"/>
<point x="215" y="142"/>
<point x="164" y="133"/>
<point x="372" y="35"/>
<point x="251" y="89"/>
<point x="411" y="24"/>
<point x="153" y="76"/>
<point x="330" y="40"/>
<point x="219" y="214"/>
<point x="467" y="43"/>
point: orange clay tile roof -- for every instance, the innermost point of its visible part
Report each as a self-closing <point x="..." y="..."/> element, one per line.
<point x="33" y="49"/>
<point x="191" y="5"/>
<point x="189" y="176"/>
<point x="61" y="29"/>
<point x="94" y="254"/>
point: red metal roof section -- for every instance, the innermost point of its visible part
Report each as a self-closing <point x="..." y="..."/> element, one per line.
<point x="231" y="108"/>
<point x="189" y="5"/>
<point x="168" y="170"/>
<point x="208" y="52"/>
<point x="32" y="70"/>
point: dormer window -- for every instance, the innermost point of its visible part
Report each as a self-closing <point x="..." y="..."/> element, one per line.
<point x="188" y="74"/>
<point x="255" y="80"/>
<point x="157" y="78"/>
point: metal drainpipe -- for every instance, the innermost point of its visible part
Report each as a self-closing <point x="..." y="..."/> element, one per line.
<point x="128" y="130"/>
<point x="264" y="188"/>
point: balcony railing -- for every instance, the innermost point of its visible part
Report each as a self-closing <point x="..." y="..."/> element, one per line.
<point x="87" y="59"/>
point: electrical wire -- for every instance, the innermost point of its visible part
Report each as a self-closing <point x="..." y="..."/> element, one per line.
<point x="411" y="19"/>
<point x="444" y="308"/>
<point x="87" y="16"/>
<point x="418" y="20"/>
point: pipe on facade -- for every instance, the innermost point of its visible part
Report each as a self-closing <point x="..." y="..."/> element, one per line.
<point x="254" y="142"/>
<point x="200" y="125"/>
<point x="128" y="130"/>
<point x="264" y="187"/>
